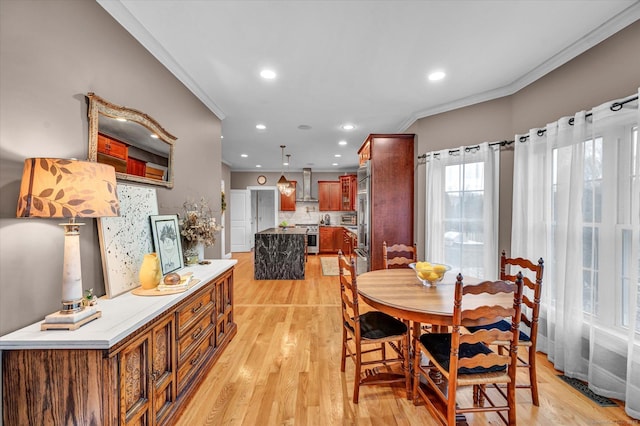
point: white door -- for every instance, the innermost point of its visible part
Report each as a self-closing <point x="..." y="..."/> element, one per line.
<point x="240" y="217"/>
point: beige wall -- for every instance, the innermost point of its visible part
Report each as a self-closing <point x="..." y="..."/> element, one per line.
<point x="608" y="71"/>
<point x="53" y="53"/>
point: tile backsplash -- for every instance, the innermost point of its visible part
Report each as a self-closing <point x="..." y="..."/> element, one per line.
<point x="307" y="212"/>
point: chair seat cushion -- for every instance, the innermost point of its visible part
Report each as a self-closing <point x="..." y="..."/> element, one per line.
<point x="439" y="346"/>
<point x="378" y="325"/>
<point x="501" y="325"/>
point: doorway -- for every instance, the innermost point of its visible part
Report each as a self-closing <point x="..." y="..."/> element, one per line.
<point x="252" y="210"/>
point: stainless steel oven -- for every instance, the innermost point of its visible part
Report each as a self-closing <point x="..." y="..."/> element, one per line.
<point x="313" y="246"/>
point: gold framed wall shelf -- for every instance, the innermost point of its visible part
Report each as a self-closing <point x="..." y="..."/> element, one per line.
<point x="139" y="148"/>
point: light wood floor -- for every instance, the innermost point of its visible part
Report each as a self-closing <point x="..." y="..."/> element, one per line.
<point x="283" y="368"/>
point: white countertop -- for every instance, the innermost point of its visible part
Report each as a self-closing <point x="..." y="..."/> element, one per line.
<point x="120" y="316"/>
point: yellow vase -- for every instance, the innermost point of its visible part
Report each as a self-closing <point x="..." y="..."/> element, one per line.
<point x="150" y="271"/>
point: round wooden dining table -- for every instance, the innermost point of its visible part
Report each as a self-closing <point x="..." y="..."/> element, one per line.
<point x="399" y="292"/>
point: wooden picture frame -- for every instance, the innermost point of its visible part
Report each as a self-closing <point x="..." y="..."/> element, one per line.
<point x="166" y="241"/>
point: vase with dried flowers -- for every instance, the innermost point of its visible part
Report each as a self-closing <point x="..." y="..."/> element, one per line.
<point x="198" y="229"/>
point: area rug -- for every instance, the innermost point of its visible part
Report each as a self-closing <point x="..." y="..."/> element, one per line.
<point x="583" y="388"/>
<point x="329" y="266"/>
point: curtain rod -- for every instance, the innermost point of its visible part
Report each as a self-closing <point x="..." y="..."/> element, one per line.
<point x="466" y="149"/>
<point x="616" y="106"/>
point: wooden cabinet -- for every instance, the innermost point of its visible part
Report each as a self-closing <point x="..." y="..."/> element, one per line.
<point x="349" y="241"/>
<point x="330" y="239"/>
<point x="288" y="202"/>
<point x="112" y="147"/>
<point x="146" y="378"/>
<point x="391" y="185"/>
<point x="329" y="195"/>
<point x="348" y="192"/>
<point x="148" y="375"/>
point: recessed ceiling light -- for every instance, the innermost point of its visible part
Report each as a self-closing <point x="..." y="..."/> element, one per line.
<point x="348" y="126"/>
<point x="258" y="165"/>
<point x="342" y="143"/>
<point x="437" y="75"/>
<point x="338" y="155"/>
<point x="243" y="155"/>
<point x="268" y="74"/>
<point x="260" y="126"/>
<point x="221" y="137"/>
<point x="334" y="164"/>
<point x="154" y="136"/>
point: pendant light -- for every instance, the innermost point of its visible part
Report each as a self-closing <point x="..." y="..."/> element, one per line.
<point x="290" y="187"/>
<point x="283" y="183"/>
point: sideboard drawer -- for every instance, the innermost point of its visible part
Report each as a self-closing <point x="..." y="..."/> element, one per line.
<point x="196" y="333"/>
<point x="193" y="311"/>
<point x="192" y="363"/>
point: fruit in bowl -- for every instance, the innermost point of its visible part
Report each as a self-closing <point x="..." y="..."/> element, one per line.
<point x="429" y="273"/>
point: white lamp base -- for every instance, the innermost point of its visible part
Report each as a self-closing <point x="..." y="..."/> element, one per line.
<point x="60" y="321"/>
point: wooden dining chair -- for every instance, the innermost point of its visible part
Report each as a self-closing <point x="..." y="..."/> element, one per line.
<point x="462" y="358"/>
<point x="367" y="336"/>
<point x="397" y="255"/>
<point x="529" y="315"/>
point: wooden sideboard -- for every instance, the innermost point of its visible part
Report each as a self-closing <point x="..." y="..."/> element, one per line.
<point x="137" y="364"/>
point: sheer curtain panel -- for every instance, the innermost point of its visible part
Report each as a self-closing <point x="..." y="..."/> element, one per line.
<point x="461" y="215"/>
<point x="576" y="191"/>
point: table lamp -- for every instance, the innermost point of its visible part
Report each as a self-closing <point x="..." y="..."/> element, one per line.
<point x="61" y="188"/>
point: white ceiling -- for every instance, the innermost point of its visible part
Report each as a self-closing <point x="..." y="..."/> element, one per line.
<point x="362" y="62"/>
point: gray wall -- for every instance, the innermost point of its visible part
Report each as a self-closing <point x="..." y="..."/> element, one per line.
<point x="607" y="71"/>
<point x="53" y="53"/>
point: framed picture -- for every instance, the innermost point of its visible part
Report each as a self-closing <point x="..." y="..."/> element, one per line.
<point x="124" y="240"/>
<point x="166" y="240"/>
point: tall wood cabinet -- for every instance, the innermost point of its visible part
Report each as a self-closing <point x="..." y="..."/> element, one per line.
<point x="145" y="378"/>
<point x="391" y="186"/>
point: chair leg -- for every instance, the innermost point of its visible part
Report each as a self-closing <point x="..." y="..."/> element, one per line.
<point x="511" y="402"/>
<point x="357" y="374"/>
<point x="344" y="349"/>
<point x="451" y="404"/>
<point x="533" y="379"/>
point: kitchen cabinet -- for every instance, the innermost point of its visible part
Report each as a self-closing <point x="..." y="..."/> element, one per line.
<point x="139" y="363"/>
<point x="288" y="202"/>
<point x="330" y="239"/>
<point x="348" y="192"/>
<point x="349" y="241"/>
<point x="329" y="195"/>
<point x="390" y="161"/>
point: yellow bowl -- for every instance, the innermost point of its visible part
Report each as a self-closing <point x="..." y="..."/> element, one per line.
<point x="430" y="273"/>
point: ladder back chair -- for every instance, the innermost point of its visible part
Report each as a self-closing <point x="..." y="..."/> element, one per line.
<point x="397" y="255"/>
<point x="529" y="316"/>
<point x="367" y="336"/>
<point x="462" y="358"/>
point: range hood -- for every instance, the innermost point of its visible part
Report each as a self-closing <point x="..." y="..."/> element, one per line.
<point x="306" y="187"/>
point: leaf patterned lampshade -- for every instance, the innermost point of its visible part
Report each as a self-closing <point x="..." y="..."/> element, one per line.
<point x="57" y="187"/>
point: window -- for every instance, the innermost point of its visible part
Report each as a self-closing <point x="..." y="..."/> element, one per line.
<point x="462" y="210"/>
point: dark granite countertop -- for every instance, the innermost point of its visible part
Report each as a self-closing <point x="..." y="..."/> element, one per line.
<point x="284" y="231"/>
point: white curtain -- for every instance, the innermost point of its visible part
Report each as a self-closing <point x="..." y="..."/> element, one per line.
<point x="576" y="191"/>
<point x="461" y="215"/>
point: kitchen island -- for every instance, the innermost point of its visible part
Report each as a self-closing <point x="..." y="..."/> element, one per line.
<point x="280" y="254"/>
